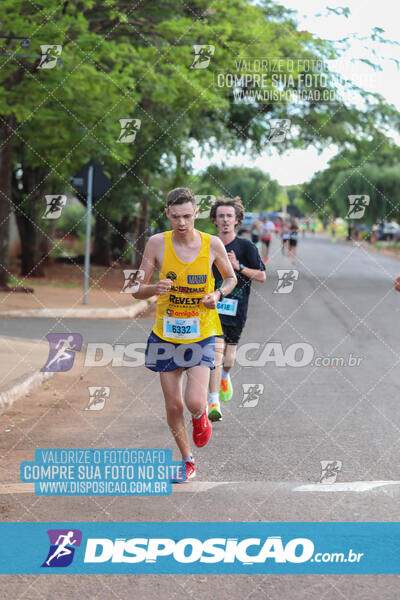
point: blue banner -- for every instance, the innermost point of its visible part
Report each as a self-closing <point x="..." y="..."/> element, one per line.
<point x="237" y="548"/>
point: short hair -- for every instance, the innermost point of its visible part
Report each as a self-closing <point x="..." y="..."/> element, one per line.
<point x="180" y="195"/>
<point x="235" y="202"/>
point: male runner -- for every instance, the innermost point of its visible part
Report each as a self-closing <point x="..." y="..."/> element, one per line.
<point x="293" y="234"/>
<point x="186" y="318"/>
<point x="227" y="213"/>
<point x="268" y="227"/>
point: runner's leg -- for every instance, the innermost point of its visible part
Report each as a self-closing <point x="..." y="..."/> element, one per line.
<point x="226" y="383"/>
<point x="215" y="374"/>
<point x="214" y="407"/>
<point x="171" y="383"/>
<point x="198" y="379"/>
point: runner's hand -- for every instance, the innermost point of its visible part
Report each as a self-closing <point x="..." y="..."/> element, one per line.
<point x="397" y="284"/>
<point x="210" y="300"/>
<point x="234" y="260"/>
<point x="163" y="286"/>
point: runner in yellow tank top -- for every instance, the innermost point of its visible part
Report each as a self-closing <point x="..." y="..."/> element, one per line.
<point x="181" y="315"/>
<point x="186" y="319"/>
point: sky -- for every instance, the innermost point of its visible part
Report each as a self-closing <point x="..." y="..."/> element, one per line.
<point x="297" y="166"/>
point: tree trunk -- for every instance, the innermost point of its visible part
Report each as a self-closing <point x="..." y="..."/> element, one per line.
<point x="141" y="226"/>
<point x="101" y="250"/>
<point x="28" y="204"/>
<point x="7" y="125"/>
<point x="120" y="233"/>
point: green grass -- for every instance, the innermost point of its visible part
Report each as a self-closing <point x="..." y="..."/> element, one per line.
<point x="15" y="282"/>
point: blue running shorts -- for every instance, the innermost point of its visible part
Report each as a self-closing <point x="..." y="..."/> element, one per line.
<point x="162" y="356"/>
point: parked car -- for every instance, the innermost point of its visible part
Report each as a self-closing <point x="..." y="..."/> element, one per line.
<point x="388" y="231"/>
<point x="247" y="222"/>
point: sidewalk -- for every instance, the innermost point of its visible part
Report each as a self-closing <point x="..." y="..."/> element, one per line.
<point x="20" y="364"/>
<point x="49" y="301"/>
<point x="21" y="360"/>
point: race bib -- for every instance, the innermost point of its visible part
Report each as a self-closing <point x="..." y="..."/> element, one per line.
<point x="227" y="306"/>
<point x="181" y="329"/>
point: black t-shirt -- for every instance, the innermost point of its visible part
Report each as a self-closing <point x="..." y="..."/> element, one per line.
<point x="247" y="254"/>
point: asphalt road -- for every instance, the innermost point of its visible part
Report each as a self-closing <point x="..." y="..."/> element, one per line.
<point x="263" y="461"/>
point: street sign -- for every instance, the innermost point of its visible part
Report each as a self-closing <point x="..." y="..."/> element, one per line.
<point x="101" y="182"/>
<point x="90" y="182"/>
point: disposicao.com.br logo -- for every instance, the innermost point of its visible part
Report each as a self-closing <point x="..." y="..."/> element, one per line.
<point x="191" y="550"/>
<point x="247" y="551"/>
<point x="62" y="547"/>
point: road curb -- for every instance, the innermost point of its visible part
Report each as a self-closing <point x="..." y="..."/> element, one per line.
<point x="122" y="312"/>
<point x="22" y="387"/>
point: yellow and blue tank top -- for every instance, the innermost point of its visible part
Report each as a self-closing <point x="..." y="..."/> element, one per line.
<point x="181" y="316"/>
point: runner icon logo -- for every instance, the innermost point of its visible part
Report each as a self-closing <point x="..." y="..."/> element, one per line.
<point x="133" y="277"/>
<point x="357" y="206"/>
<point x="251" y="394"/>
<point x="330" y="470"/>
<point x="54" y="206"/>
<point x="287" y="278"/>
<point x="50" y="56"/>
<point x="129" y="129"/>
<point x="203" y="54"/>
<point x="62" y="547"/>
<point x="278" y="130"/>
<point x="62" y="351"/>
<point x="97" y="397"/>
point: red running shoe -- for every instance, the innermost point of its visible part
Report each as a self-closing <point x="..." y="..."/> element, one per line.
<point x="201" y="430"/>
<point x="190" y="473"/>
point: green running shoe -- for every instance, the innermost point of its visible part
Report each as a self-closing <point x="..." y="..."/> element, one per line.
<point x="226" y="389"/>
<point x="214" y="412"/>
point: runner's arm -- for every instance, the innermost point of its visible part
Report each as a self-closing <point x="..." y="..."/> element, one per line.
<point x="255" y="274"/>
<point x="224" y="266"/>
<point x="148" y="264"/>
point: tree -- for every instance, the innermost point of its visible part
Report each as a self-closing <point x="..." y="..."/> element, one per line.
<point x="372" y="168"/>
<point x="256" y="189"/>
<point x="123" y="61"/>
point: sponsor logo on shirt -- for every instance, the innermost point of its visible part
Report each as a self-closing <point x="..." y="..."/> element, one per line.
<point x="183" y="301"/>
<point x="196" y="279"/>
<point x="187" y="290"/>
<point x="187" y="314"/>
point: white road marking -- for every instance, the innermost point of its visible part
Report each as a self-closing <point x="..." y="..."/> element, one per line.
<point x="17" y="488"/>
<point x="344" y="486"/>
<point x="204" y="486"/>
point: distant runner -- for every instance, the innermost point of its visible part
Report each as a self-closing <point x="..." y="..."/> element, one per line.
<point x="183" y="337"/>
<point x="268" y="228"/>
<point x="284" y="236"/>
<point x="228" y="213"/>
<point x="293" y="235"/>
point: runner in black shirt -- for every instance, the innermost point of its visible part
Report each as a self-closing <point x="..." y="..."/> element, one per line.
<point x="293" y="235"/>
<point x="227" y="214"/>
